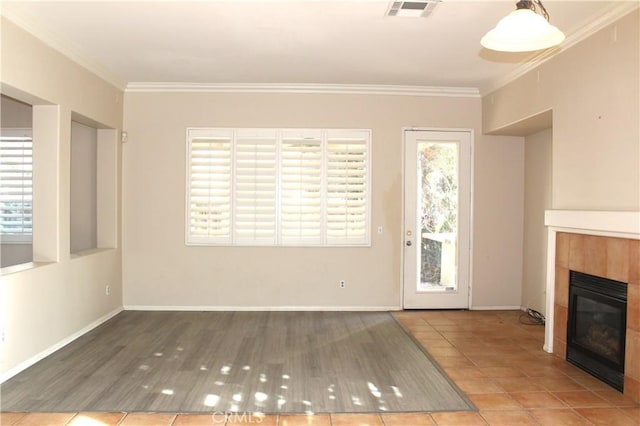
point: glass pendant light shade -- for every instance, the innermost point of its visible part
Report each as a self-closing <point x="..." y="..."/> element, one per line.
<point x="522" y="30"/>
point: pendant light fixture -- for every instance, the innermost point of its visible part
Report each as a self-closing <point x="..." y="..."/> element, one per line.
<point x="523" y="30"/>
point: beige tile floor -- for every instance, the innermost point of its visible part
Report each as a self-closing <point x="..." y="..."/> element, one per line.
<point x="497" y="361"/>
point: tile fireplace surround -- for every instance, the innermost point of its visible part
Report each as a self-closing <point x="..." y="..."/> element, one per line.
<point x="605" y="244"/>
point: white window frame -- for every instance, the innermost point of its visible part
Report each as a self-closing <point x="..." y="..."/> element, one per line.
<point x="24" y="237"/>
<point x="364" y="136"/>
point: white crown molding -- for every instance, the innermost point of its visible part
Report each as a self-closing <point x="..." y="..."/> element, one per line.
<point x="13" y="13"/>
<point x="598" y="23"/>
<point x="347" y="89"/>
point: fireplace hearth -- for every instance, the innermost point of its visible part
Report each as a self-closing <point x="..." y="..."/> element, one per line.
<point x="596" y="326"/>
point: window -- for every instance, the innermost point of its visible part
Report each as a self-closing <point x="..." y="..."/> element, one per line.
<point x="16" y="183"/>
<point x="278" y="187"/>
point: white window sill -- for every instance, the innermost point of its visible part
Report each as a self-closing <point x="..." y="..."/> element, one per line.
<point x="89" y="252"/>
<point x="13" y="269"/>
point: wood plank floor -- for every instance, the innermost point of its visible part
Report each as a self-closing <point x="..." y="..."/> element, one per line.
<point x="246" y="362"/>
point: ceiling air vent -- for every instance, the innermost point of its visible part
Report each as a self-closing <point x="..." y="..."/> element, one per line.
<point x="412" y="9"/>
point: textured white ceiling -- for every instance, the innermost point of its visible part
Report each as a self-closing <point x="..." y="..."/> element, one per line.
<point x="294" y="42"/>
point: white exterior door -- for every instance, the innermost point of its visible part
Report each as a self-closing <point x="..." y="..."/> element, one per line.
<point x="437" y="222"/>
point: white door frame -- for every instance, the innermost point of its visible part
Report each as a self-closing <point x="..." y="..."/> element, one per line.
<point x="471" y="204"/>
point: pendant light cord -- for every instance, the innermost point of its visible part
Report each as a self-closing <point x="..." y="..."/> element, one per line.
<point x="533" y="5"/>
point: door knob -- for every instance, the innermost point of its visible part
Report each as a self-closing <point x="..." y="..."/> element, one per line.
<point x="408" y="243"/>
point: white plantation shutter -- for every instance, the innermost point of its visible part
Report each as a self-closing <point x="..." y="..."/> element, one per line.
<point x="301" y="185"/>
<point x="16" y="185"/>
<point x="255" y="188"/>
<point x="209" y="186"/>
<point x="278" y="187"/>
<point x="347" y="187"/>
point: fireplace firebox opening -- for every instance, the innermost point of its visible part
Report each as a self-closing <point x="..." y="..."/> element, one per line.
<point x="596" y="326"/>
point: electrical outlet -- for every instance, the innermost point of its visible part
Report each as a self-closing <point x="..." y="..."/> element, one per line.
<point x="380" y="230"/>
<point x="343" y="283"/>
<point x="107" y="290"/>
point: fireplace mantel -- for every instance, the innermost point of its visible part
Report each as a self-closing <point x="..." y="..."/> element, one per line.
<point x="619" y="224"/>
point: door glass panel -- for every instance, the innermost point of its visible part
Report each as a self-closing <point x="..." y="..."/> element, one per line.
<point x="438" y="209"/>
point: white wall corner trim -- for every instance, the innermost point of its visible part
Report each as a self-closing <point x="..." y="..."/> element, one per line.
<point x="261" y="308"/>
<point x="343" y="89"/>
<point x="617" y="224"/>
<point x="62" y="343"/>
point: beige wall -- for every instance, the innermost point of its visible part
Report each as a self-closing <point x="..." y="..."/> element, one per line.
<point x="83" y="215"/>
<point x="46" y="304"/>
<point x="160" y="271"/>
<point x="537" y="199"/>
<point x="593" y="90"/>
<point x="15" y="254"/>
<point x="498" y="221"/>
<point x="14" y="114"/>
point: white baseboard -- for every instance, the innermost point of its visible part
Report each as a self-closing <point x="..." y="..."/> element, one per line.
<point x="260" y="308"/>
<point x="496" y="308"/>
<point x="51" y="349"/>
